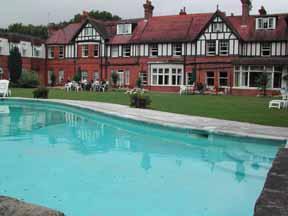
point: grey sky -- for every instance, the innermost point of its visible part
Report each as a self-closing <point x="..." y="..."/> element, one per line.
<point x="36" y="11"/>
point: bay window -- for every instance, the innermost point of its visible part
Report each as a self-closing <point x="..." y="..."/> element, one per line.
<point x="50" y="52"/>
<point x="85" y="51"/>
<point x="248" y="76"/>
<point x="167" y="75"/>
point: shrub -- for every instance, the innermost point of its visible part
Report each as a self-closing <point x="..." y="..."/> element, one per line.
<point x="77" y="76"/>
<point x="139" y="83"/>
<point x="28" y="79"/>
<point x="262" y="83"/>
<point x="114" y="78"/>
<point x="139" y="99"/>
<point x="41" y="92"/>
<point x="53" y="79"/>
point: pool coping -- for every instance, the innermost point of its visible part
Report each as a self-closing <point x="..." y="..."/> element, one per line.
<point x="166" y="119"/>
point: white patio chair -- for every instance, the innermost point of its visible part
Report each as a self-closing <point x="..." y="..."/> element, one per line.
<point x="278" y="104"/>
<point x="4" y="88"/>
<point x="68" y="86"/>
<point x="183" y="89"/>
<point x="284" y="94"/>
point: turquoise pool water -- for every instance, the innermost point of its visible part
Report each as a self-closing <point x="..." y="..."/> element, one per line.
<point x="88" y="164"/>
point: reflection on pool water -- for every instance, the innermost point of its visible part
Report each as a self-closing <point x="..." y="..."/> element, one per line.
<point x="88" y="164"/>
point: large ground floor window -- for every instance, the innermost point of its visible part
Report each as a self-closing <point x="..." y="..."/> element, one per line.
<point x="166" y="75"/>
<point x="1" y="73"/>
<point x="248" y="76"/>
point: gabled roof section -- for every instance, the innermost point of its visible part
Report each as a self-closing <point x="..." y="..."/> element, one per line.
<point x="222" y="15"/>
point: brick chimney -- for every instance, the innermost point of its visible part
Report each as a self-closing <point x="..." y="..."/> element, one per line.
<point x="262" y="11"/>
<point x="183" y="12"/>
<point x="51" y="29"/>
<point x="84" y="15"/>
<point x="148" y="9"/>
<point x="246" y="7"/>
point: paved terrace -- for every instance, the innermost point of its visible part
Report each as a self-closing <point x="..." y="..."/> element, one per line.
<point x="183" y="121"/>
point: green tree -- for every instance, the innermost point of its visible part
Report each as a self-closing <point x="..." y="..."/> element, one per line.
<point x="262" y="83"/>
<point x="114" y="78"/>
<point x="33" y="30"/>
<point x="77" y="76"/>
<point x="15" y="65"/>
<point x="53" y="79"/>
<point x="99" y="15"/>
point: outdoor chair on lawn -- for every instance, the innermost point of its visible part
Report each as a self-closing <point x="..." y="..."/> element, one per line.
<point x="4" y="88"/>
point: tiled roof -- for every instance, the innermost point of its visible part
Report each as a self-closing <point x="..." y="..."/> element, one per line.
<point x="176" y="28"/>
<point x="16" y="38"/>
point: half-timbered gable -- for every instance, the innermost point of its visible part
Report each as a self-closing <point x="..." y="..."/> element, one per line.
<point x="217" y="39"/>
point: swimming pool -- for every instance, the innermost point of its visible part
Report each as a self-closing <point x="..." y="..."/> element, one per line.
<point x="88" y="164"/>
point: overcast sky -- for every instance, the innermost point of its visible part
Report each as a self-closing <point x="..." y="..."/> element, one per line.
<point x="40" y="12"/>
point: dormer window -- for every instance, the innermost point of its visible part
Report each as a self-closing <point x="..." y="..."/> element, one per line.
<point x="266" y="49"/>
<point x="265" y="23"/>
<point x="124" y="29"/>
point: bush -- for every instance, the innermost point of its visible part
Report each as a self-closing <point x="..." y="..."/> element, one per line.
<point x="139" y="99"/>
<point x="53" y="79"/>
<point x="41" y="92"/>
<point x="28" y="79"/>
<point x="139" y="83"/>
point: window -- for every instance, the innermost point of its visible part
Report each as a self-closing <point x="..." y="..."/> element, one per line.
<point x="61" y="76"/>
<point x="51" y="52"/>
<point x="277" y="83"/>
<point x="210" y="78"/>
<point x="85" y="51"/>
<point x="96" y="76"/>
<point x="211" y="47"/>
<point x="124" y="29"/>
<point x="36" y="52"/>
<point x="167" y="76"/>
<point x="50" y="72"/>
<point x="127" y="77"/>
<point x="223" y="79"/>
<point x="144" y="78"/>
<point x="1" y="73"/>
<point x="154" y="50"/>
<point x="217" y="27"/>
<point x="114" y="51"/>
<point x="266" y="49"/>
<point x="84" y="75"/>
<point x="1" y="48"/>
<point x="223" y="47"/>
<point x="126" y="51"/>
<point x="191" y="78"/>
<point x="265" y="23"/>
<point x="96" y="50"/>
<point x="120" y="81"/>
<point x="61" y="52"/>
<point x="24" y="51"/>
<point x="177" y="49"/>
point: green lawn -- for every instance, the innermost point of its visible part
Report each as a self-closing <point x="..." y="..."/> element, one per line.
<point x="245" y="109"/>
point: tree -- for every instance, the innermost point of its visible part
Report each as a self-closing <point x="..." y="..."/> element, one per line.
<point x="114" y="78"/>
<point x="53" y="79"/>
<point x="15" y="64"/>
<point x="262" y="83"/>
<point x="99" y="15"/>
<point x="77" y="76"/>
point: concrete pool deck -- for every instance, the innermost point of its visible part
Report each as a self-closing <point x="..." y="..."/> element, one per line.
<point x="180" y="121"/>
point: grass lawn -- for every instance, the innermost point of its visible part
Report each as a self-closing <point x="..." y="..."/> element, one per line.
<point x="244" y="109"/>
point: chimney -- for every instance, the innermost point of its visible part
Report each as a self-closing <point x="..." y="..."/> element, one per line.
<point x="51" y="29"/>
<point x="246" y="7"/>
<point x="84" y="15"/>
<point x="183" y="12"/>
<point x="148" y="9"/>
<point x="262" y="11"/>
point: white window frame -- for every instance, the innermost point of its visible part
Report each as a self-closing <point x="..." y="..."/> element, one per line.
<point x="223" y="44"/>
<point x="210" y="77"/>
<point x="209" y="44"/>
<point x="177" y="49"/>
<point x="96" y="49"/>
<point x="121" y="78"/>
<point x="36" y="52"/>
<point x="96" y="76"/>
<point x="114" y="51"/>
<point x="84" y="48"/>
<point x="1" y="72"/>
<point x="127" y="77"/>
<point x="124" y="29"/>
<point x="144" y="78"/>
<point x="61" y="52"/>
<point x="217" y="27"/>
<point x="159" y="72"/>
<point x="266" y="47"/>
<point x="126" y="50"/>
<point x="153" y="50"/>
<point x="51" y="53"/>
<point x="263" y="23"/>
<point x="223" y="78"/>
<point x="84" y="75"/>
<point x="61" y="75"/>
